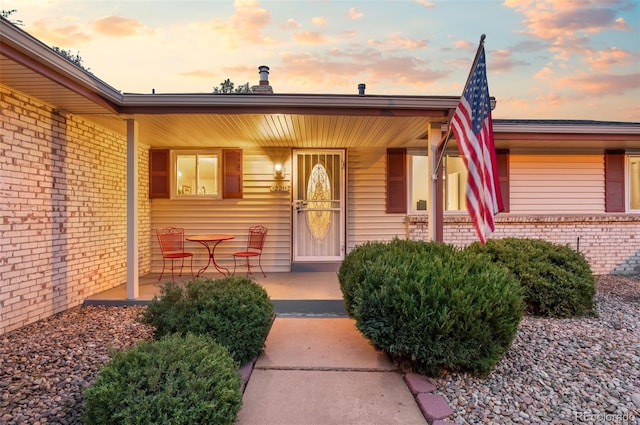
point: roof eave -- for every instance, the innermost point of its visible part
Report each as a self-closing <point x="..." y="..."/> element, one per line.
<point x="23" y="42"/>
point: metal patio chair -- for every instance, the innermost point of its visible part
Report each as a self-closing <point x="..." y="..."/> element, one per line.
<point x="257" y="235"/>
<point x="171" y="241"/>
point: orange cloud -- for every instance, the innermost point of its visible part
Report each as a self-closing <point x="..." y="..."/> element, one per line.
<point x="502" y="61"/>
<point x="602" y="84"/>
<point x="117" y="26"/>
<point x="397" y="41"/>
<point x="291" y="24"/>
<point x="64" y="36"/>
<point x="561" y="20"/>
<point x="552" y="99"/>
<point x="426" y="3"/>
<point x="199" y="73"/>
<point x="245" y="24"/>
<point x="354" y="14"/>
<point x="605" y="59"/>
<point x="338" y="70"/>
<point x="319" y="21"/>
<point x="309" y="37"/>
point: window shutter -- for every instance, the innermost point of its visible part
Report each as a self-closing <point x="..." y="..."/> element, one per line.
<point x="159" y="173"/>
<point x="232" y="173"/>
<point x="396" y="181"/>
<point x="614" y="181"/>
<point x="502" y="160"/>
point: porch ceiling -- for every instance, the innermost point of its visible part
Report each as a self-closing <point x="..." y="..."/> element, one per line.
<point x="273" y="130"/>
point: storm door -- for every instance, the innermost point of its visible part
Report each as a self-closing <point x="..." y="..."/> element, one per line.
<point x="318" y="205"/>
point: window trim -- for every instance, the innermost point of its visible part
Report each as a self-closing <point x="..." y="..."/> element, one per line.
<point x="174" y="173"/>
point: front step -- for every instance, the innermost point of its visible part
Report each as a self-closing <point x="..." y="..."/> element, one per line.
<point x="316" y="266"/>
<point x="308" y="308"/>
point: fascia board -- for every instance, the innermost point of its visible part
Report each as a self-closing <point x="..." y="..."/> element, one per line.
<point x="22" y="41"/>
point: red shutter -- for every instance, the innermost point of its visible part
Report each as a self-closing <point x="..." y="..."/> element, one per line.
<point x="396" y="180"/>
<point x="614" y="181"/>
<point x="159" y="172"/>
<point x="502" y="160"/>
<point x="232" y="173"/>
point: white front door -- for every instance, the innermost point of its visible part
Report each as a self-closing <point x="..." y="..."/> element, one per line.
<point x="318" y="205"/>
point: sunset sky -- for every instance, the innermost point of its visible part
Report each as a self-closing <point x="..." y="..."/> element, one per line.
<point x="557" y="59"/>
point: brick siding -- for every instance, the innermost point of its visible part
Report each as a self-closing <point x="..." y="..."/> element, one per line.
<point x="610" y="242"/>
<point x="63" y="199"/>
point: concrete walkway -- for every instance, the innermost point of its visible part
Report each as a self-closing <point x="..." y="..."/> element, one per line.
<point x="322" y="371"/>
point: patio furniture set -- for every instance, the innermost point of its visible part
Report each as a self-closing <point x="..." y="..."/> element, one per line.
<point x="171" y="240"/>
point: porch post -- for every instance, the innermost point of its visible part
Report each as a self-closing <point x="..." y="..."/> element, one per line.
<point x="435" y="206"/>
<point x="132" y="209"/>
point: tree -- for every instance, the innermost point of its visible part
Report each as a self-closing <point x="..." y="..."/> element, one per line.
<point x="6" y="14"/>
<point x="227" y="87"/>
<point x="74" y="59"/>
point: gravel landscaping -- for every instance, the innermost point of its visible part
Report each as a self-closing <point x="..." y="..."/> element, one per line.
<point x="562" y="371"/>
<point x="558" y="371"/>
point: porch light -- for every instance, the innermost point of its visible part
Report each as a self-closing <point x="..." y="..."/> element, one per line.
<point x="278" y="171"/>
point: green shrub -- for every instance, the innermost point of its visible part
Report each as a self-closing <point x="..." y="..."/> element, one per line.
<point x="433" y="307"/>
<point x="351" y="272"/>
<point x="557" y="281"/>
<point x="235" y="311"/>
<point x="176" y="380"/>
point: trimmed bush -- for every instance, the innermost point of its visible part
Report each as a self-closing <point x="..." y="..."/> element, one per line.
<point x="176" y="380"/>
<point x="557" y="281"/>
<point x="432" y="307"/>
<point x="235" y="311"/>
<point x="351" y="272"/>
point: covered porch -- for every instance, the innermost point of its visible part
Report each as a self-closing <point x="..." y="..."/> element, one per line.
<point x="292" y="294"/>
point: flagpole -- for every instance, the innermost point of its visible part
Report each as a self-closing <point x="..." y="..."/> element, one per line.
<point x="445" y="138"/>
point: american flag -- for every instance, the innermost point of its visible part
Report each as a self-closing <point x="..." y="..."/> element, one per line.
<point x="473" y="128"/>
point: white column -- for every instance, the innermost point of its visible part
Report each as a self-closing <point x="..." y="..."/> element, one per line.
<point x="132" y="209"/>
<point x="434" y="136"/>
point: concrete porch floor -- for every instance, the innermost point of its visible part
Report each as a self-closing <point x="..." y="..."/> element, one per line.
<point x="292" y="294"/>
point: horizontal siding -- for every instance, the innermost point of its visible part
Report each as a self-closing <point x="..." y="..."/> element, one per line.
<point x="366" y="216"/>
<point x="258" y="206"/>
<point x="560" y="184"/>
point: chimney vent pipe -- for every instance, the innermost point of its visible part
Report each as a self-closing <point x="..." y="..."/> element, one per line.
<point x="361" y="88"/>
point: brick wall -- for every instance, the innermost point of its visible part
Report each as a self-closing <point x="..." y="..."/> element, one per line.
<point x="63" y="210"/>
<point x="610" y="242"/>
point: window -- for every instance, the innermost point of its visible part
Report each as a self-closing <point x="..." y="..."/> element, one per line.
<point x="455" y="181"/>
<point x="197" y="174"/>
<point x="418" y="180"/>
<point x="634" y="182"/>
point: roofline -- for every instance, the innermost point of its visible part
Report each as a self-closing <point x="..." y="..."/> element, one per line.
<point x="558" y="126"/>
<point x="288" y="104"/>
<point x="24" y="43"/>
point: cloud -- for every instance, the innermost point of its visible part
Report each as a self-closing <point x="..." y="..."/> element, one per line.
<point x="552" y="99"/>
<point x="309" y="37"/>
<point x="245" y="25"/>
<point x="291" y="24"/>
<point x="319" y="21"/>
<point x="426" y="3"/>
<point x="335" y="68"/>
<point x="502" y="60"/>
<point x="65" y="36"/>
<point x="117" y="26"/>
<point x="354" y="14"/>
<point x="199" y="73"/>
<point x="397" y="42"/>
<point x="605" y="59"/>
<point x="562" y="21"/>
<point x="601" y="84"/>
